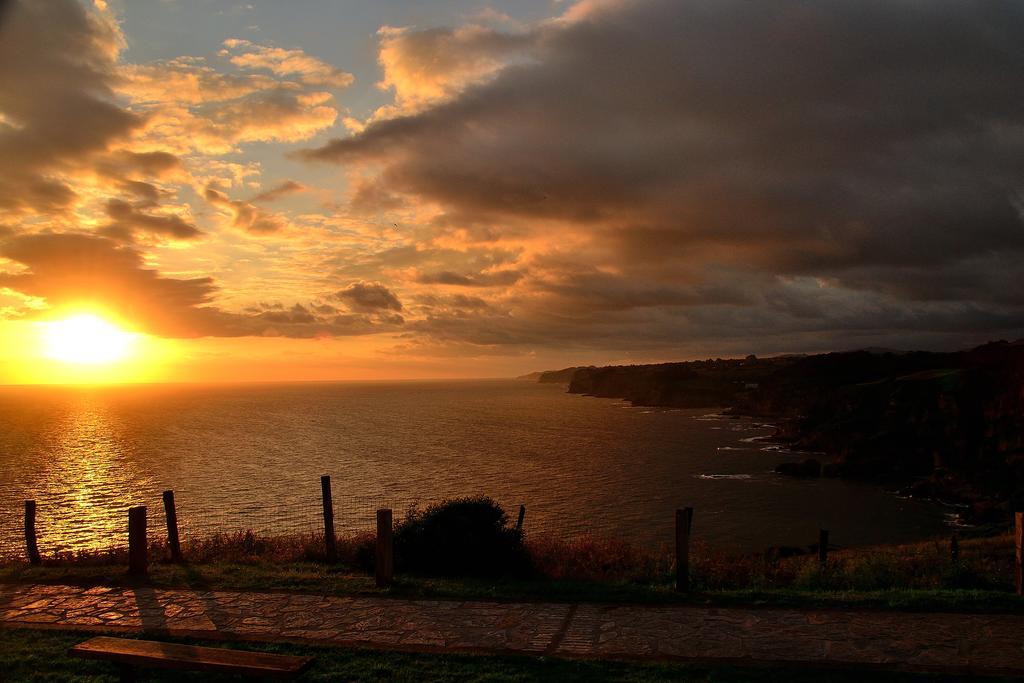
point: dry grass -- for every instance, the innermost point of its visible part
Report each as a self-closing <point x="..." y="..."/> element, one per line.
<point x="984" y="563"/>
<point x="237" y="547"/>
<point x="595" y="558"/>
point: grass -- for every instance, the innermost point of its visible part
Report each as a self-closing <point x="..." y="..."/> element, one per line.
<point x="41" y="655"/>
<point x="919" y="576"/>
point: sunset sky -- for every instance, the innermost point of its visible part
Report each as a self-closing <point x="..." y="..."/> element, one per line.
<point x="332" y="189"/>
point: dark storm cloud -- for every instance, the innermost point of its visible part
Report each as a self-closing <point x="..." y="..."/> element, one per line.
<point x="498" y="278"/>
<point x="74" y="269"/>
<point x="873" y="147"/>
<point x="127" y="219"/>
<point x="369" y="296"/>
<point x="56" y="100"/>
<point x="597" y="291"/>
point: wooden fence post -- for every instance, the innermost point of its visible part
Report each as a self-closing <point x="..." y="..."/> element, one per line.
<point x="138" y="552"/>
<point x="1018" y="535"/>
<point x="330" y="540"/>
<point x="684" y="522"/>
<point x="823" y="546"/>
<point x="171" y="513"/>
<point x="385" y="549"/>
<point x="31" y="541"/>
<point x="519" y="522"/>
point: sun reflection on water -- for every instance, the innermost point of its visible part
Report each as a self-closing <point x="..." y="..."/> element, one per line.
<point x="89" y="479"/>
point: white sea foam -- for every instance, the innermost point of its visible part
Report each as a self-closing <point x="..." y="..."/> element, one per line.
<point x="724" y="476"/>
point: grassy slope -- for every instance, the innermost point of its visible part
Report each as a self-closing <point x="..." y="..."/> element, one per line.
<point x="916" y="576"/>
<point x="31" y="655"/>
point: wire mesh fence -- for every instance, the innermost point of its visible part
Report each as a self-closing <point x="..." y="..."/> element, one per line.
<point x="559" y="544"/>
<point x="64" y="528"/>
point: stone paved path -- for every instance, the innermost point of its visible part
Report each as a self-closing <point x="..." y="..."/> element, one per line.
<point x="959" y="643"/>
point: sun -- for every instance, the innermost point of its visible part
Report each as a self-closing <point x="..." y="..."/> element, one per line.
<point x="86" y="339"/>
<point x="84" y="346"/>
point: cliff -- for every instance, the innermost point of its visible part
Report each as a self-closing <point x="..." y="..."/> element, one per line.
<point x="695" y="384"/>
<point x="948" y="425"/>
<point x="563" y="376"/>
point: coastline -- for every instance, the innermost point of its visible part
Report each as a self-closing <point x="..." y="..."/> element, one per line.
<point x="909" y="422"/>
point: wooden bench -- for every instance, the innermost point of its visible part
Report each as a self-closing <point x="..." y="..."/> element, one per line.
<point x="147" y="653"/>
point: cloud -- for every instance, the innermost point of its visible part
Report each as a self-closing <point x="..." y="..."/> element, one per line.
<point x="286" y="63"/>
<point x="57" y="107"/>
<point x="126" y="219"/>
<point x="423" y="67"/>
<point x="158" y="164"/>
<point x="74" y="269"/>
<point x="187" y="80"/>
<point x="297" y="314"/>
<point x="192" y="105"/>
<point x="813" y="167"/>
<point x="367" y="197"/>
<point x="369" y="296"/>
<point x="245" y="215"/>
<point x="71" y="270"/>
<point x="646" y="177"/>
<point x="283" y="189"/>
<point x="98" y="154"/>
<point x="67" y="139"/>
<point x="500" y="278"/>
<point x="272" y="114"/>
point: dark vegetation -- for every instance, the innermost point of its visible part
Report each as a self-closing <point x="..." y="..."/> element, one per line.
<point x="41" y="655"/>
<point x="460" y="537"/>
<point x="941" y="425"/>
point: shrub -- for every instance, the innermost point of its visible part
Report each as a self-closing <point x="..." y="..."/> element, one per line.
<point x="459" y="537"/>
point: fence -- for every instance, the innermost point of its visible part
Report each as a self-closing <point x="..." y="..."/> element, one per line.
<point x="319" y="520"/>
<point x="68" y="529"/>
<point x="65" y="528"/>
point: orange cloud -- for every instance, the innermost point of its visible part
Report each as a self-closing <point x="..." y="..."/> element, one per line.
<point x="286" y="63"/>
<point x="429" y="66"/>
<point x="193" y="106"/>
<point x="68" y="270"/>
<point x="246" y="216"/>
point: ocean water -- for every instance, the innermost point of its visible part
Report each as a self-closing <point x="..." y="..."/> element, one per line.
<point x="251" y="456"/>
